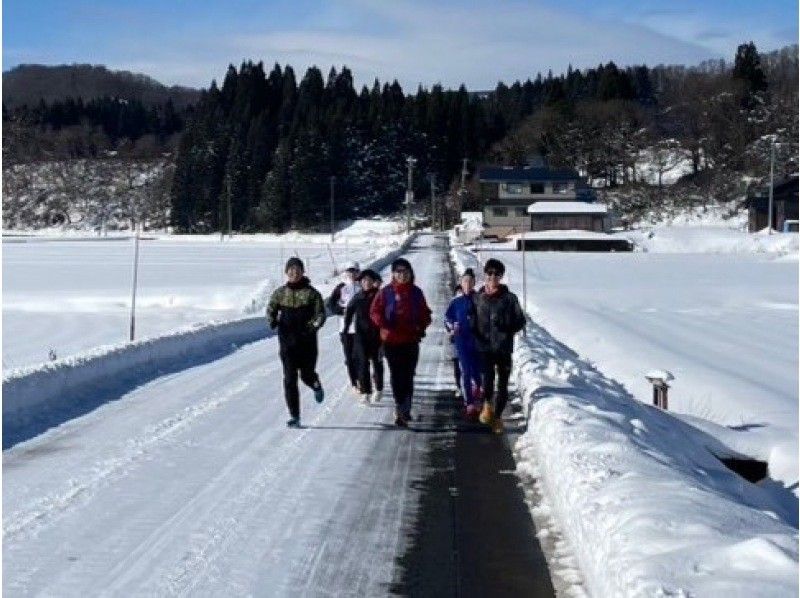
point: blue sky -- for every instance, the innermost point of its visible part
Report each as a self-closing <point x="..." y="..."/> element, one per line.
<point x="415" y="41"/>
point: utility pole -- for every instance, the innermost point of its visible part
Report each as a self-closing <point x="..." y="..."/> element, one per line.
<point x="333" y="230"/>
<point x="771" y="184"/>
<point x="462" y="191"/>
<point x="409" y="191"/>
<point x="432" y="178"/>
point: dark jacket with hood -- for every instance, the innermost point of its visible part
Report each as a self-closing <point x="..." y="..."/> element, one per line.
<point x="498" y="317"/>
<point x="297" y="311"/>
<point x="358" y="310"/>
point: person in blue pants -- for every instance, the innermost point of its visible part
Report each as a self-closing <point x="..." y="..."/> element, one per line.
<point x="459" y="322"/>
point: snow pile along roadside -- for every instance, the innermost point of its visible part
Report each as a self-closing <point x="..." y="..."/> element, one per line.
<point x="34" y="393"/>
<point x="640" y="496"/>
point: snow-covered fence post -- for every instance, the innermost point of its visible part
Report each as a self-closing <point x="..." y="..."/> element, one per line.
<point x="659" y="380"/>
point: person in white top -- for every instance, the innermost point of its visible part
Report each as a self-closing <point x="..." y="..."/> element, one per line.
<point x="337" y="304"/>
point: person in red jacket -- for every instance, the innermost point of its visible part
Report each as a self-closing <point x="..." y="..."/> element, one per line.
<point x="401" y="313"/>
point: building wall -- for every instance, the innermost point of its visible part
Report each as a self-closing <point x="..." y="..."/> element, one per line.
<point x="588" y="222"/>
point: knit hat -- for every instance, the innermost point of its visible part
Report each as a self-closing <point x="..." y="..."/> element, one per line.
<point x="371" y="274"/>
<point x="294" y="261"/>
<point x="402" y="262"/>
<point x="493" y="264"/>
<point x="468" y="272"/>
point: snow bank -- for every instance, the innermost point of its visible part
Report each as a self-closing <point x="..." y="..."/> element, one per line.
<point x="29" y="391"/>
<point x="35" y="393"/>
<point x="712" y="239"/>
<point x="639" y="495"/>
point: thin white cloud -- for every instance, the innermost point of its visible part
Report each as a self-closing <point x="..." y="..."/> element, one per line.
<point x="416" y="43"/>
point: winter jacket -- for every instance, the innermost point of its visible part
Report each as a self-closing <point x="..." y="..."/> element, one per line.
<point x="401" y="313"/>
<point x="297" y="311"/>
<point x="357" y="316"/>
<point x="341" y="296"/>
<point x="498" y="317"/>
<point x="459" y="318"/>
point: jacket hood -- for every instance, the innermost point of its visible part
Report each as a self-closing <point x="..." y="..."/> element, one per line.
<point x="300" y="284"/>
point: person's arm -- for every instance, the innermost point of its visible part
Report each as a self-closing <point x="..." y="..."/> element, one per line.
<point x="426" y="313"/>
<point x="450" y="317"/>
<point x="518" y="316"/>
<point x="273" y="308"/>
<point x="376" y="310"/>
<point x="333" y="301"/>
<point x="319" y="311"/>
<point x="350" y="310"/>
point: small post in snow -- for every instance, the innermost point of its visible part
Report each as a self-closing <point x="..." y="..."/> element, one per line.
<point x="659" y="380"/>
<point x="524" y="281"/>
<point x="133" y="286"/>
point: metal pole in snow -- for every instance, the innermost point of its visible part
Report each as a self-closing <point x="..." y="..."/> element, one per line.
<point x="771" y="184"/>
<point x="133" y="286"/>
<point x="524" y="282"/>
<point x="333" y="230"/>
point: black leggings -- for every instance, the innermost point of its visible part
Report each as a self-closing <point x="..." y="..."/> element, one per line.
<point x="348" y="347"/>
<point x="501" y="364"/>
<point x="368" y="354"/>
<point x="402" y="361"/>
<point x="300" y="357"/>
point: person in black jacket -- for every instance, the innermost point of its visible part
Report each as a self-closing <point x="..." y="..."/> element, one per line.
<point x="498" y="317"/>
<point x="341" y="296"/>
<point x="367" y="337"/>
<point x="297" y="311"/>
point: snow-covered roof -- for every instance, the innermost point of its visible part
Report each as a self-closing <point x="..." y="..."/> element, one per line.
<point x="566" y="207"/>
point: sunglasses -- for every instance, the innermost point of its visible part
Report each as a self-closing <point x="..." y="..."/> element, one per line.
<point x="493" y="273"/>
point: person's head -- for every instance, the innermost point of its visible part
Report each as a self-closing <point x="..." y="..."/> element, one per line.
<point x="351" y="271"/>
<point x="467" y="281"/>
<point x="402" y="271"/>
<point x="368" y="278"/>
<point x="294" y="269"/>
<point x="493" y="272"/>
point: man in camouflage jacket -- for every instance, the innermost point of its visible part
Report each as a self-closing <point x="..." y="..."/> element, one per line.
<point x="297" y="311"/>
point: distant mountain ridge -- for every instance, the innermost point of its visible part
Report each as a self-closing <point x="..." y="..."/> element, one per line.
<point x="30" y="83"/>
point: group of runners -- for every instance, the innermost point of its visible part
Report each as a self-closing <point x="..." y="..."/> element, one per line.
<point x="389" y="321"/>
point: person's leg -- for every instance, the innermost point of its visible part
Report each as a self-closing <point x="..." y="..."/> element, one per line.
<point x="503" y="362"/>
<point x="363" y="360"/>
<point x="290" y="391"/>
<point x="487" y="375"/>
<point x="347" y="350"/>
<point x="457" y="372"/>
<point x="376" y="357"/>
<point x="351" y="359"/>
<point x="393" y="359"/>
<point x="411" y="354"/>
<point x="307" y="358"/>
<point x="487" y="379"/>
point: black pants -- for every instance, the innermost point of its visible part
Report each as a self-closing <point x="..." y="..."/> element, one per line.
<point x="402" y="360"/>
<point x="300" y="357"/>
<point x="350" y="360"/>
<point x="499" y="363"/>
<point x="457" y="372"/>
<point x="368" y="353"/>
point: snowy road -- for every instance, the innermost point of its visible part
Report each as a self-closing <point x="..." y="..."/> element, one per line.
<point x="192" y="484"/>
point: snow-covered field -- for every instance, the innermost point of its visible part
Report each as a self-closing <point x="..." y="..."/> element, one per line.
<point x="637" y="493"/>
<point x="69" y="295"/>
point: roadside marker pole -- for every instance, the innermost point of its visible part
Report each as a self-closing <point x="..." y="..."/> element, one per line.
<point x="133" y="286"/>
